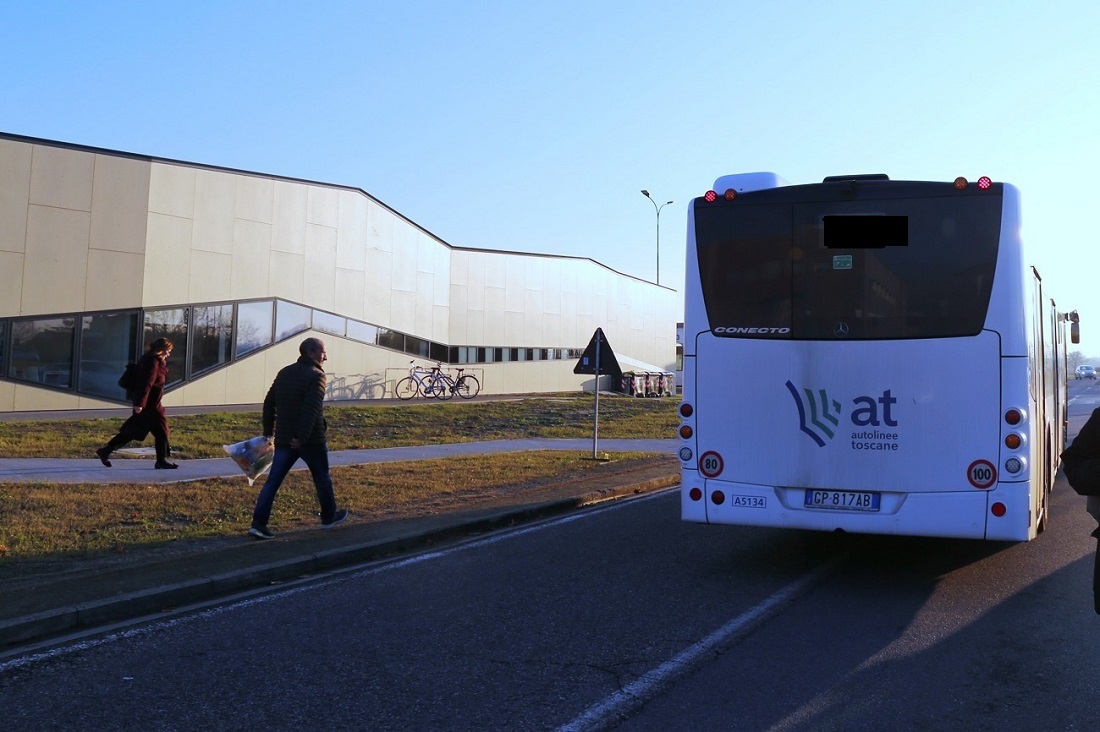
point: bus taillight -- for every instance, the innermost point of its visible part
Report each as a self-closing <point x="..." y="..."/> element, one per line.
<point x="686" y="410"/>
<point x="1014" y="416"/>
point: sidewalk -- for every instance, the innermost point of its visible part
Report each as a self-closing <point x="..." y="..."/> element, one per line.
<point x="70" y="595"/>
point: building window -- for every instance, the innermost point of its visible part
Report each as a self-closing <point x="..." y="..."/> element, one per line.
<point x="170" y="323"/>
<point x="107" y="343"/>
<point x="212" y="337"/>
<point x="362" y="332"/>
<point x="254" y="325"/>
<point x="329" y="323"/>
<point x="42" y="351"/>
<point x="391" y="339"/>
<point x="3" y="347"/>
<point x="416" y="346"/>
<point x="438" y="352"/>
<point x="291" y="319"/>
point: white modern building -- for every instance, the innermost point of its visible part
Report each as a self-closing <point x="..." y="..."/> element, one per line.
<point x="103" y="251"/>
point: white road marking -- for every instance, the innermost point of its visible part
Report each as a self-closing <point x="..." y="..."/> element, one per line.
<point x="617" y="706"/>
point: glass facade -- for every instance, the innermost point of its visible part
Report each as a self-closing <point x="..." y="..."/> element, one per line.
<point x="329" y="323"/>
<point x="42" y="351"/>
<point x="212" y="337"/>
<point x="54" y="353"/>
<point x="170" y="323"/>
<point x="291" y="318"/>
<point x="108" y="341"/>
<point x="255" y="326"/>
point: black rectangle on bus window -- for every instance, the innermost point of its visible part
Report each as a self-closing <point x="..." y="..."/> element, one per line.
<point x="866" y="232"/>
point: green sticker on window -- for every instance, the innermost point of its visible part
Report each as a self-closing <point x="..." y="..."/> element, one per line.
<point x="842" y="261"/>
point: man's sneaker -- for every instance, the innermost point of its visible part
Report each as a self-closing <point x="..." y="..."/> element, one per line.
<point x="337" y="518"/>
<point x="261" y="532"/>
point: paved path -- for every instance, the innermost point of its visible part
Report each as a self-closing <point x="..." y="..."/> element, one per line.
<point x="125" y="470"/>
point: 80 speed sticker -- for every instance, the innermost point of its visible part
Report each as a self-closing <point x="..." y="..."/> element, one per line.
<point x="710" y="464"/>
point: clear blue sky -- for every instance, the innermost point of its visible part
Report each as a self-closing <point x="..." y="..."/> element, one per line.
<point x="533" y="126"/>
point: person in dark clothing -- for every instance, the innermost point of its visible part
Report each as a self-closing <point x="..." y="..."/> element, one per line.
<point x="149" y="415"/>
<point x="1081" y="464"/>
<point x="293" y="416"/>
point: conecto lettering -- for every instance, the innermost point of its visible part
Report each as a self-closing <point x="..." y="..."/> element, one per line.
<point x="745" y="330"/>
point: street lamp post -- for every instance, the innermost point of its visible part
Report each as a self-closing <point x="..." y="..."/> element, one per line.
<point x="658" y="210"/>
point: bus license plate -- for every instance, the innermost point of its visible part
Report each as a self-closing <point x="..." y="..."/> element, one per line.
<point x="842" y="500"/>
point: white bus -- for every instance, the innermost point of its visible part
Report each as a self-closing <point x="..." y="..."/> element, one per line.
<point x="869" y="356"/>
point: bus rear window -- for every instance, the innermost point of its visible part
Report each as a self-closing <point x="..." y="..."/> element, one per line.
<point x="893" y="267"/>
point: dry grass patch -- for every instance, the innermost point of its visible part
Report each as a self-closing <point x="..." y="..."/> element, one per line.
<point x="40" y="520"/>
<point x="384" y="424"/>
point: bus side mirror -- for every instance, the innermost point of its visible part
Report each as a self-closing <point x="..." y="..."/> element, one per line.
<point x="1075" y="332"/>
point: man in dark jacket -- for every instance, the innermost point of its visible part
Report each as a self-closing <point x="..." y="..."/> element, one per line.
<point x="294" y="415"/>
<point x="1081" y="464"/>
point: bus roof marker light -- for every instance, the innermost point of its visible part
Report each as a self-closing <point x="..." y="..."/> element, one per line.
<point x="984" y="183"/>
<point x="961" y="183"/>
<point x="710" y="196"/>
<point x="730" y="194"/>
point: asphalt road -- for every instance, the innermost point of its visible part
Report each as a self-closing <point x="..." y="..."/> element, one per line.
<point x="618" y="616"/>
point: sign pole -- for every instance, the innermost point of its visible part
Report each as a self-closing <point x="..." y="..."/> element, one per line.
<point x="596" y="388"/>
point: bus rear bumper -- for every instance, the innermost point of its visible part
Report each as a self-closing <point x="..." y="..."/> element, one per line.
<point x="956" y="514"/>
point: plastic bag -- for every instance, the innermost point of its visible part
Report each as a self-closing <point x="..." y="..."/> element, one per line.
<point x="254" y="456"/>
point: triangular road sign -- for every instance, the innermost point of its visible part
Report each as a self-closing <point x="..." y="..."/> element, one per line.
<point x="608" y="364"/>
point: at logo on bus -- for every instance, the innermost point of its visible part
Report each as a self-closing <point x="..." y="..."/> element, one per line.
<point x="819" y="416"/>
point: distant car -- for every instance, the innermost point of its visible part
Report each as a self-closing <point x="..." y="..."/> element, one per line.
<point x="1084" y="372"/>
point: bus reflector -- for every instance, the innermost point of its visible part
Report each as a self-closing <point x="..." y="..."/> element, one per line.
<point x="961" y="183"/>
<point x="686" y="431"/>
<point x="998" y="509"/>
<point x="985" y="183"/>
<point x="695" y="494"/>
<point x="686" y="410"/>
<point x="710" y="196"/>
<point x="718" y="498"/>
<point x="1013" y="441"/>
<point x="1014" y="416"/>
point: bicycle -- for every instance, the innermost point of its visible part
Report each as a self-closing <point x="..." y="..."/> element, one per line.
<point x="420" y="381"/>
<point x="466" y="385"/>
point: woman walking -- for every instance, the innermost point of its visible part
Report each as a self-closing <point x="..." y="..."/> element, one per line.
<point x="149" y="415"/>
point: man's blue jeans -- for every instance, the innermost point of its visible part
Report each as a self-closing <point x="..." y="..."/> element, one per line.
<point x="316" y="458"/>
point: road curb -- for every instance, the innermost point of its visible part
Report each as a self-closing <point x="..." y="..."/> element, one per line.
<point x="50" y="623"/>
